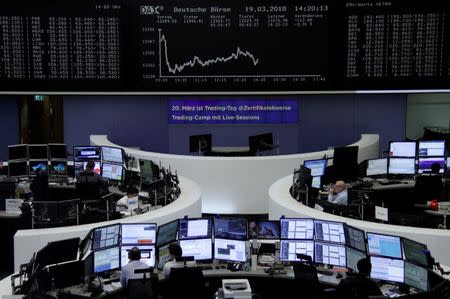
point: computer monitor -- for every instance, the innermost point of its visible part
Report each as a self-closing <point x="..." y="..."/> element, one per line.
<point x="148" y="254"/>
<point x="230" y="250"/>
<point x="329" y="231"/>
<point x="297" y="228"/>
<point x="316" y="182"/>
<point x="402" y="166"/>
<point x="86" y="244"/>
<point x="384" y="245"/>
<point x="146" y="166"/>
<point x="164" y="255"/>
<point x="38" y="151"/>
<point x="377" y="167"/>
<point x="58" y="252"/>
<point x="317" y="166"/>
<point x="57" y="150"/>
<point x="105" y="236"/>
<point x="85" y="153"/>
<point x="167" y="233"/>
<point x="424" y="165"/>
<point x="230" y="228"/>
<point x="200" y="143"/>
<point x="353" y="257"/>
<point x="416" y="277"/>
<point x="58" y="168"/>
<point x="415" y="252"/>
<point x="264" y="229"/>
<point x="66" y="274"/>
<point x="106" y="260"/>
<point x="112" y="154"/>
<point x="17" y="169"/>
<point x="35" y="165"/>
<point x="330" y="254"/>
<point x="387" y="269"/>
<point x="290" y="248"/>
<point x="81" y="166"/>
<point x="448" y="165"/>
<point x="355" y="238"/>
<point x="138" y="233"/>
<point x="433" y="148"/>
<point x="262" y="142"/>
<point x="345" y="162"/>
<point x="194" y="228"/>
<point x="402" y="149"/>
<point x="112" y="171"/>
<point x="17" y="152"/>
<point x="200" y="249"/>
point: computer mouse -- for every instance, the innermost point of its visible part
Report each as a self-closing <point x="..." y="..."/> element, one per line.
<point x="339" y="275"/>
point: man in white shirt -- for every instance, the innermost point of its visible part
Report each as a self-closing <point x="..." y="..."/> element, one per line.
<point x="129" y="202"/>
<point x="175" y="252"/>
<point x="338" y="194"/>
<point x="134" y="256"/>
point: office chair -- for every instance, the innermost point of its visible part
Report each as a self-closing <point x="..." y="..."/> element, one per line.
<point x="306" y="281"/>
<point x="426" y="188"/>
<point x="87" y="187"/>
<point x="186" y="282"/>
<point x="143" y="288"/>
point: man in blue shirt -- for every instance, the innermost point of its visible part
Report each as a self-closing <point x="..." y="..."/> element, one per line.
<point x="338" y="194"/>
<point x="134" y="255"/>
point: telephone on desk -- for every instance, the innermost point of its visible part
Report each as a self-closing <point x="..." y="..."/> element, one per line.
<point x="234" y="267"/>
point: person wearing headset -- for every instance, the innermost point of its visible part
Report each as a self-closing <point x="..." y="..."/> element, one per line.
<point x="129" y="202"/>
<point x="134" y="257"/>
<point x="338" y="194"/>
<point x="360" y="286"/>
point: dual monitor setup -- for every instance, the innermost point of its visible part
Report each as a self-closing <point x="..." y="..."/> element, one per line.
<point x="28" y="159"/>
<point x="394" y="259"/>
<point x="409" y="158"/>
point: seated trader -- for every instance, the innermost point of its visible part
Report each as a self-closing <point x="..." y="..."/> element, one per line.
<point x="361" y="286"/>
<point x="129" y="202"/>
<point x="89" y="176"/>
<point x="134" y="255"/>
<point x="39" y="186"/>
<point x="428" y="186"/>
<point x="338" y="194"/>
<point x="176" y="252"/>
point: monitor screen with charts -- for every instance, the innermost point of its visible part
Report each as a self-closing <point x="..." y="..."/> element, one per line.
<point x="112" y="171"/>
<point x="384" y="245"/>
<point x="230" y="228"/>
<point x="387" y="269"/>
<point x="17" y="152"/>
<point x="17" y="169"/>
<point x="164" y="255"/>
<point x="448" y="165"/>
<point x="353" y="257"/>
<point x="415" y="252"/>
<point x="167" y="233"/>
<point x="377" y="167"/>
<point x="416" y="277"/>
<point x="402" y="149"/>
<point x="105" y="236"/>
<point x="297" y="228"/>
<point x="200" y="249"/>
<point x="330" y="254"/>
<point x="424" y="164"/>
<point x="106" y="259"/>
<point x="112" y="154"/>
<point x="402" y="166"/>
<point x="317" y="166"/>
<point x="230" y="250"/>
<point x="316" y="182"/>
<point x="35" y="166"/>
<point x="435" y="148"/>
<point x="329" y="231"/>
<point x="57" y="150"/>
<point x="290" y="248"/>
<point x="38" y="151"/>
<point x="58" y="168"/>
<point x="139" y="233"/>
<point x="194" y="228"/>
<point x="83" y="153"/>
<point x="148" y="254"/>
<point x="356" y="238"/>
<point x="264" y="229"/>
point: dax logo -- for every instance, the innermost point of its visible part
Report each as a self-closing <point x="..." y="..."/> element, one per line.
<point x="151" y="10"/>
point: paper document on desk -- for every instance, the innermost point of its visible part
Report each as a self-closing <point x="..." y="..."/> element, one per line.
<point x="266" y="261"/>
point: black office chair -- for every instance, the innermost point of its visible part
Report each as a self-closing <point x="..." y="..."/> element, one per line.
<point x="39" y="187"/>
<point x="144" y="288"/>
<point x="88" y="188"/>
<point x="186" y="282"/>
<point x="306" y="281"/>
<point x="427" y="187"/>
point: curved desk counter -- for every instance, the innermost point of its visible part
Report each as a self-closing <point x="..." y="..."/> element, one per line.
<point x="238" y="184"/>
<point x="281" y="203"/>
<point x="26" y="242"/>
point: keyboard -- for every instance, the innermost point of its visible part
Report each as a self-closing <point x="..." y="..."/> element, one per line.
<point x="205" y="267"/>
<point x="390" y="182"/>
<point x="325" y="271"/>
